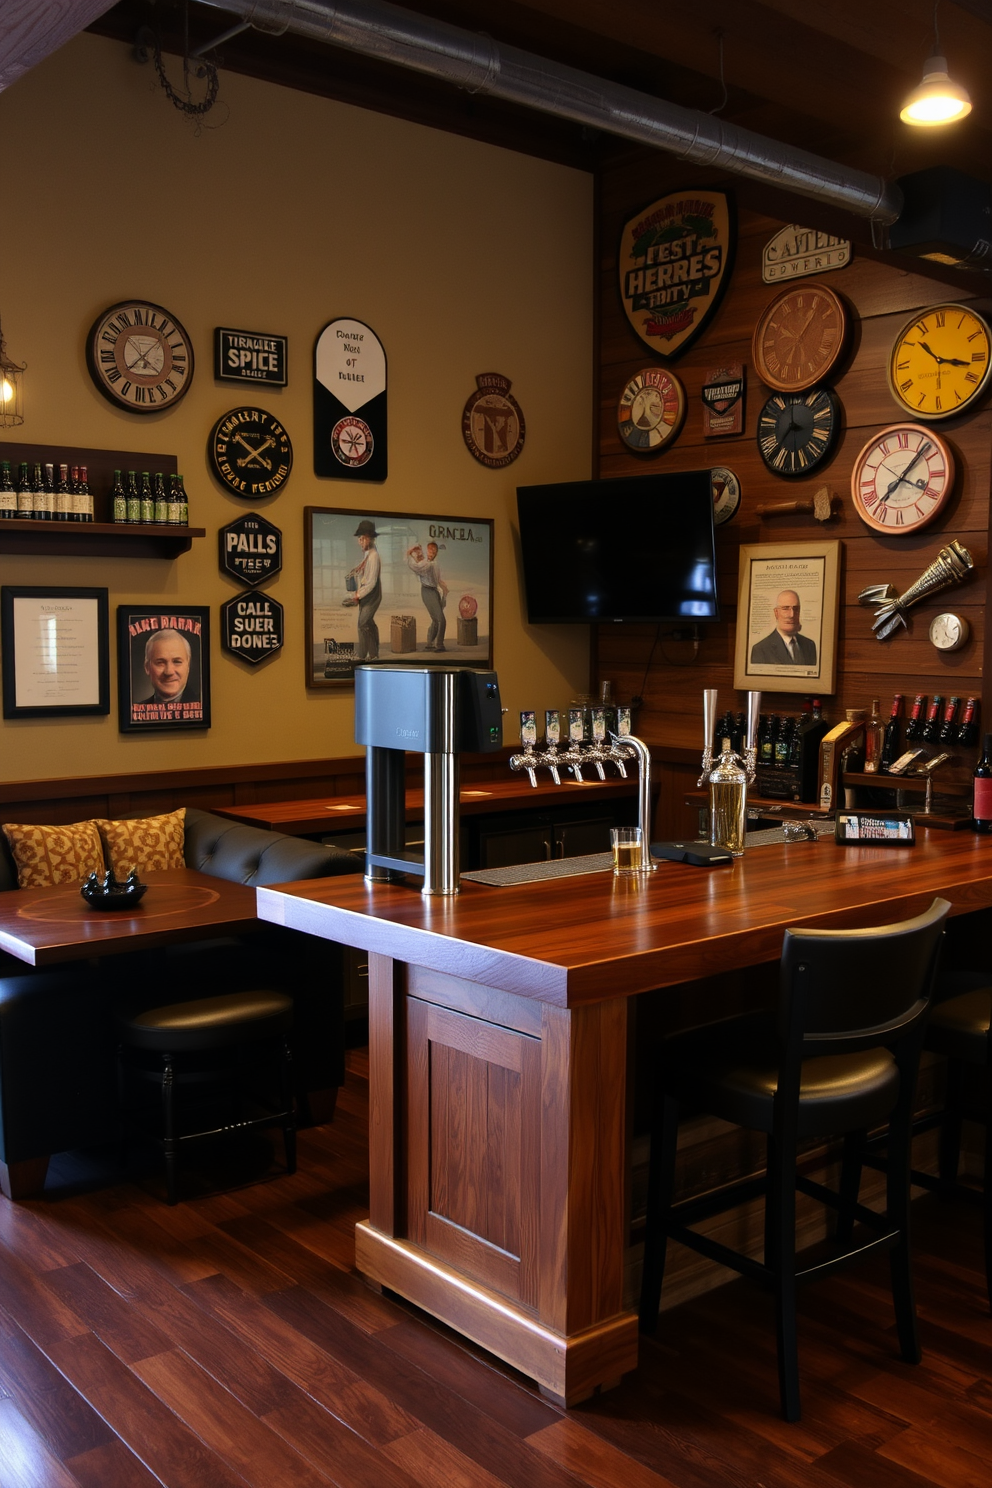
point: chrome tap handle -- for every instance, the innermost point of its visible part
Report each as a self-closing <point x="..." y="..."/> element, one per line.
<point x="640" y="751"/>
<point x="525" y="761"/>
<point x="709" y="729"/>
<point x="751" y="737"/>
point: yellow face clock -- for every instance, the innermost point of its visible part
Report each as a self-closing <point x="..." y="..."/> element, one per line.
<point x="940" y="363"/>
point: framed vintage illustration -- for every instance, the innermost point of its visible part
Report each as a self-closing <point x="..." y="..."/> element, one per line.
<point x="397" y="587"/>
<point x="787" y="611"/>
<point x="163" y="668"/>
<point x="56" y="652"/>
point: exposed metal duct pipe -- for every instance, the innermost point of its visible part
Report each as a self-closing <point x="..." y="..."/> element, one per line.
<point x="480" y="65"/>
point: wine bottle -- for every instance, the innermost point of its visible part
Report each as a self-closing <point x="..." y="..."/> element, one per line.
<point x="968" y="732"/>
<point x="914" y="723"/>
<point x="874" y="734"/>
<point x="8" y="496"/>
<point x="981" y="802"/>
<point x="161" y="500"/>
<point x="63" y="496"/>
<point x="133" y="499"/>
<point x="43" y="497"/>
<point x="84" y="498"/>
<point x="949" y="728"/>
<point x="931" y="728"/>
<point x="890" y="740"/>
<point x="118" y="497"/>
<point x="174" y="513"/>
<point x="24" y="500"/>
<point x="147" y="499"/>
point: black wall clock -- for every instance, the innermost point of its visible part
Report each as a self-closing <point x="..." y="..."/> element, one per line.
<point x="250" y="453"/>
<point x="139" y="356"/>
<point x="797" y="431"/>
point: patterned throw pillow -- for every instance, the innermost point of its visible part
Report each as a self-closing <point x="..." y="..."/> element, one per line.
<point x="54" y="855"/>
<point x="149" y="842"/>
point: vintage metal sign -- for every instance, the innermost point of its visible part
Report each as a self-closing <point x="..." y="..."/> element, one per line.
<point x="492" y="422"/>
<point x="349" y="403"/>
<point x="723" y="401"/>
<point x="251" y="626"/>
<point x="796" y="251"/>
<point x="250" y="453"/>
<point x="250" y="356"/>
<point x="250" y="549"/>
<point x="674" y="263"/>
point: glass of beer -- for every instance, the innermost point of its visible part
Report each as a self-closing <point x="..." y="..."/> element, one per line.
<point x="626" y="845"/>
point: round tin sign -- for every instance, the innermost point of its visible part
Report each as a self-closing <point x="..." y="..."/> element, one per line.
<point x="250" y="453"/>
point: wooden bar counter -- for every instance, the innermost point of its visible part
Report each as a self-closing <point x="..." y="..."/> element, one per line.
<point x="498" y="1056"/>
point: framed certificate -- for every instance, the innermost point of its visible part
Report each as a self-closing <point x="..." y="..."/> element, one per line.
<point x="56" y="652"/>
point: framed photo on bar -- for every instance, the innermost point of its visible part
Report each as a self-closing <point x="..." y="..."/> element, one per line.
<point x="56" y="652"/>
<point x="787" y="608"/>
<point x="163" y="668"/>
<point x="395" y="586"/>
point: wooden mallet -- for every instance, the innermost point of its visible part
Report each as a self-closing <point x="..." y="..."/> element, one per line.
<point x="821" y="505"/>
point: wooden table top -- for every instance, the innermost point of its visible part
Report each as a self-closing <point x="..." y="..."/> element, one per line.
<point x="46" y="926"/>
<point x="583" y="939"/>
<point x="342" y="813"/>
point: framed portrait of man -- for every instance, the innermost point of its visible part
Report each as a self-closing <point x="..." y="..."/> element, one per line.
<point x="787" y="609"/>
<point x="163" y="668"/>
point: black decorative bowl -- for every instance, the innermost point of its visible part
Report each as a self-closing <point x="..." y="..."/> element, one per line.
<point x="110" y="893"/>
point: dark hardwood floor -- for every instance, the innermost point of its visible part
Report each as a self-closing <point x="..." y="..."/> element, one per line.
<point x="228" y="1342"/>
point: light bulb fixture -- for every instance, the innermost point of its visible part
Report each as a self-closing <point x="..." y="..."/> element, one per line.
<point x="938" y="99"/>
<point x="11" y="388"/>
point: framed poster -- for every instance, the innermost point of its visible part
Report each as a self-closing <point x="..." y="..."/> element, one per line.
<point x="56" y="652"/>
<point x="397" y="587"/>
<point x="787" y="609"/>
<point x="163" y="669"/>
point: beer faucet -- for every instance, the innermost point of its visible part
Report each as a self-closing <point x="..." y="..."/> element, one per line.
<point x="750" y="752"/>
<point x="527" y="761"/>
<point x="640" y="751"/>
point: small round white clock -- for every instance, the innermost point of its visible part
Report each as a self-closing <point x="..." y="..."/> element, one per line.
<point x="949" y="632"/>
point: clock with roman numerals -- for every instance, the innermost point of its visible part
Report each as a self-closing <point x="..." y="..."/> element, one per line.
<point x="940" y="363"/>
<point x="902" y="479"/>
<point x="139" y="356"/>
<point x="797" y="431"/>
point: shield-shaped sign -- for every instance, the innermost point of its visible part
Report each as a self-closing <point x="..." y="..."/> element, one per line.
<point x="674" y="263"/>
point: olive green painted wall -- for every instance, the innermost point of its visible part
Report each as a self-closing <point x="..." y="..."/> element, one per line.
<point x="462" y="257"/>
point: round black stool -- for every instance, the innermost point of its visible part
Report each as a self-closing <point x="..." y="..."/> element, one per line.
<point x="229" y="1047"/>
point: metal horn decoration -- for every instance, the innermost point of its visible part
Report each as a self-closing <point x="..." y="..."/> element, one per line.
<point x="951" y="566"/>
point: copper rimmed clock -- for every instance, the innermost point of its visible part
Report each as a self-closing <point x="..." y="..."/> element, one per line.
<point x="139" y="356"/>
<point x="902" y="478"/>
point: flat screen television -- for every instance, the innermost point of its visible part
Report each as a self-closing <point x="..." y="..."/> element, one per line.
<point x="639" y="547"/>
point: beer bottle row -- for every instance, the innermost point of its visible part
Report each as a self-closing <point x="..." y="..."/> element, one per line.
<point x="61" y="493"/>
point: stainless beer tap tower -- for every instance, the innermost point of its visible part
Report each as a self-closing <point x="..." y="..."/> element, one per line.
<point x="438" y="712"/>
<point x="750" y="760"/>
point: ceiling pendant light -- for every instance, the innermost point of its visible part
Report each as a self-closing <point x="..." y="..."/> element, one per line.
<point x="938" y="99"/>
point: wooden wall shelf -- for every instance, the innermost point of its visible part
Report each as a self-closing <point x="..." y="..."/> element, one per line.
<point x="96" y="539"/>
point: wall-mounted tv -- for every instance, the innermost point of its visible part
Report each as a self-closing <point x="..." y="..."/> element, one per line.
<point x="636" y="548"/>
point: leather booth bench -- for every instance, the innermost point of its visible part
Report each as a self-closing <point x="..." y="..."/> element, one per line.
<point x="58" y="1083"/>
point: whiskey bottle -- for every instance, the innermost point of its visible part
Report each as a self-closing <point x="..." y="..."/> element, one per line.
<point x="981" y="801"/>
<point x="914" y="723"/>
<point x="874" y="733"/>
<point x="931" y="728"/>
<point x="8" y="496"/>
<point x="968" y="732"/>
<point x="161" y="500"/>
<point x="890" y="741"/>
<point x="949" y="728"/>
<point x="24" y="500"/>
<point x="83" y="499"/>
<point x="118" y="499"/>
<point x="133" y="499"/>
<point x="147" y="499"/>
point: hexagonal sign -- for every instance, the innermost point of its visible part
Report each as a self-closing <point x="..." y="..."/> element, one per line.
<point x="251" y="626"/>
<point x="250" y="549"/>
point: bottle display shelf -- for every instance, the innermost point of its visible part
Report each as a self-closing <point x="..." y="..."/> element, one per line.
<point x="96" y="539"/>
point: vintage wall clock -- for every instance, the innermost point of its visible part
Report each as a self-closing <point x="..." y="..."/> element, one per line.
<point x="940" y="362"/>
<point x="800" y="338"/>
<point x="651" y="411"/>
<point x="797" y="431"/>
<point x="250" y="453"/>
<point x="948" y="632"/>
<point x="139" y="356"/>
<point x="902" y="478"/>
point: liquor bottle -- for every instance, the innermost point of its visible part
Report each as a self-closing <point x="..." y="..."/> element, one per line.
<point x="84" y="499"/>
<point x="766" y="739"/>
<point x="809" y="752"/>
<point x="161" y="500"/>
<point x="932" y="726"/>
<point x="853" y="752"/>
<point x="63" y="497"/>
<point x="874" y="734"/>
<point x="949" y="727"/>
<point x="783" y="744"/>
<point x="43" y="496"/>
<point x="8" y="496"/>
<point x="728" y="803"/>
<point x="74" y="509"/>
<point x="183" y="503"/>
<point x="914" y="723"/>
<point x="175" y="508"/>
<point x="24" y="500"/>
<point x="118" y="499"/>
<point x="147" y="499"/>
<point x="724" y="730"/>
<point x="968" y="732"/>
<point x="133" y="499"/>
<point x="890" y="741"/>
<point x="981" y="801"/>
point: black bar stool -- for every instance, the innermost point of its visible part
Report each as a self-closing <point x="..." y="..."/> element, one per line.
<point x="228" y="1043"/>
<point x="842" y="1059"/>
